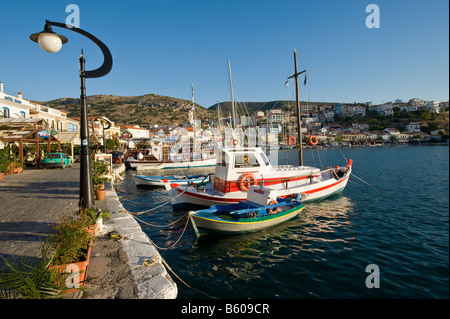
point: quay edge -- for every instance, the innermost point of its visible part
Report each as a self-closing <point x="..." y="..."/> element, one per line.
<point x="152" y="281"/>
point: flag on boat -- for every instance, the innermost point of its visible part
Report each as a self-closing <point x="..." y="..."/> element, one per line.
<point x="304" y="83"/>
<point x="286" y="84"/>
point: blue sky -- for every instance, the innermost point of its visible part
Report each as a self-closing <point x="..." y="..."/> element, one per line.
<point x="162" y="47"/>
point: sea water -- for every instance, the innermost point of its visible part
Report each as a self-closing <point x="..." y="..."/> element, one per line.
<point x="385" y="236"/>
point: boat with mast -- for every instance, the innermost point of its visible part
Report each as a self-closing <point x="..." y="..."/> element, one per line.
<point x="165" y="156"/>
<point x="238" y="168"/>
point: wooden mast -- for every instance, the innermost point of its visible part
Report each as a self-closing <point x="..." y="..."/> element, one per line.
<point x="299" y="121"/>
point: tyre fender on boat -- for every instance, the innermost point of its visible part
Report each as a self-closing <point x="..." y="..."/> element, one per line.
<point x="272" y="210"/>
<point x="249" y="181"/>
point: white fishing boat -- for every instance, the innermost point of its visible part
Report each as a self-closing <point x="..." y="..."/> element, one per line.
<point x="239" y="168"/>
<point x="262" y="209"/>
<point x="164" y="157"/>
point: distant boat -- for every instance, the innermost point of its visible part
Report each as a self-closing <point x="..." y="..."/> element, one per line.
<point x="261" y="210"/>
<point x="165" y="157"/>
<point x="158" y="181"/>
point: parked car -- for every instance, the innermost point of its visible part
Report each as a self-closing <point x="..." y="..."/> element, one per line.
<point x="58" y="159"/>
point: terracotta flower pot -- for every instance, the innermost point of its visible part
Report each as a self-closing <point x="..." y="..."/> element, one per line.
<point x="1" y="176"/>
<point x="78" y="279"/>
<point x="100" y="194"/>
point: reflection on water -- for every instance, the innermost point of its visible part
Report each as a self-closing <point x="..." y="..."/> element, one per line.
<point x="247" y="256"/>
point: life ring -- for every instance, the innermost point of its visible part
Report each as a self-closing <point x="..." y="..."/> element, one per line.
<point x="313" y="140"/>
<point x="274" y="209"/>
<point x="235" y="142"/>
<point x="292" y="140"/>
<point x="249" y="181"/>
<point x="186" y="157"/>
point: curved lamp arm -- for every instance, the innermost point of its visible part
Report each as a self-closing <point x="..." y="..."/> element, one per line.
<point x="104" y="69"/>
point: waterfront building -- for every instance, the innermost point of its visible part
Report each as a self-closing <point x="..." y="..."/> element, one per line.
<point x="18" y="107"/>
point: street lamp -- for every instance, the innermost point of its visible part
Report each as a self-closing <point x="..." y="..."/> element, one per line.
<point x="52" y="42"/>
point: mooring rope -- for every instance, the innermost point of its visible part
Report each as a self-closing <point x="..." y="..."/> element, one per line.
<point x="161" y="226"/>
<point x="152" y="209"/>
<point x="364" y="181"/>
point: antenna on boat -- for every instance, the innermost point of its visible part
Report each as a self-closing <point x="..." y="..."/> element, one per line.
<point x="297" y="100"/>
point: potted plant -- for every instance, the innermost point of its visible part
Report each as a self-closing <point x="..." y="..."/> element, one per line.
<point x="32" y="280"/>
<point x="99" y="173"/>
<point x="4" y="162"/>
<point x="61" y="268"/>
<point x="96" y="219"/>
<point x="71" y="244"/>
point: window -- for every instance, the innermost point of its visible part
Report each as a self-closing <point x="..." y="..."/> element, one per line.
<point x="245" y="160"/>
<point x="6" y="112"/>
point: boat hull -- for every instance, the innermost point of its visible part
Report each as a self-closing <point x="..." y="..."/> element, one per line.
<point x="158" y="181"/>
<point x="149" y="165"/>
<point x="204" y="225"/>
<point x="183" y="195"/>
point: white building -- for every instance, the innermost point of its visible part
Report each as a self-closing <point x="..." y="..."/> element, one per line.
<point x="417" y="102"/>
<point x="413" y="127"/>
<point x="433" y="106"/>
<point x="385" y="109"/>
<point x="18" y="107"/>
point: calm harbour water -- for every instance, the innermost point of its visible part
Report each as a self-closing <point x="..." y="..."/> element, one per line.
<point x="400" y="223"/>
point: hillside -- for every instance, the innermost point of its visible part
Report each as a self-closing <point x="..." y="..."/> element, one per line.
<point x="144" y="110"/>
<point x="251" y="107"/>
<point x="151" y="109"/>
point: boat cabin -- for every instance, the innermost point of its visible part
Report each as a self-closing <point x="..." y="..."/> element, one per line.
<point x="239" y="168"/>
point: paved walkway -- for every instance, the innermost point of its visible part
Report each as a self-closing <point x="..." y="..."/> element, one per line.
<point x="31" y="204"/>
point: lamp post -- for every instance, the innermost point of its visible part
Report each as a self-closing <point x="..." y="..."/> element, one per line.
<point x="52" y="42"/>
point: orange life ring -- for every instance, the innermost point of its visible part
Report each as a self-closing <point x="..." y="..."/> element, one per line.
<point x="186" y="157"/>
<point x="235" y="142"/>
<point x="274" y="209"/>
<point x="313" y="140"/>
<point x="250" y="180"/>
<point x="291" y="140"/>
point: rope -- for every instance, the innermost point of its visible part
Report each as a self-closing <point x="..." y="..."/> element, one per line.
<point x="340" y="149"/>
<point x="176" y="242"/>
<point x="168" y="225"/>
<point x="150" y="262"/>
<point x="170" y="269"/>
<point x="164" y="203"/>
<point x="364" y="181"/>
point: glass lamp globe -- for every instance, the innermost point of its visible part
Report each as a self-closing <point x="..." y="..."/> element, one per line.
<point x="50" y="42"/>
